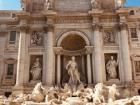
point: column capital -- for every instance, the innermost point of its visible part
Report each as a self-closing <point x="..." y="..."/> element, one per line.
<point x="123" y="25"/>
<point x="24" y="27"/>
<point x="58" y="50"/>
<point x="89" y="49"/>
<point x="96" y="26"/>
<point x="49" y="27"/>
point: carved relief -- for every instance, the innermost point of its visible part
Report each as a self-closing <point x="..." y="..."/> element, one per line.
<point x="36" y="68"/>
<point x="108" y="37"/>
<point x="111" y="66"/>
<point x="37" y="38"/>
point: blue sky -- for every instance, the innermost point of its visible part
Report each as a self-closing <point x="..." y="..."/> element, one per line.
<point x="15" y="4"/>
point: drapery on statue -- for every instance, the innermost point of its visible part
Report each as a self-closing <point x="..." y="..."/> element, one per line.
<point x="111" y="68"/>
<point x="72" y="68"/>
<point x="36" y="70"/>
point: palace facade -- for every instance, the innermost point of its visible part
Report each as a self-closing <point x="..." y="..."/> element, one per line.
<point x="37" y="42"/>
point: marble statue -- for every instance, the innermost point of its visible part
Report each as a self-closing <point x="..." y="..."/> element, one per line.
<point x="36" y="38"/>
<point x="37" y="94"/>
<point x="98" y="96"/>
<point x="21" y="98"/>
<point x="118" y="3"/>
<point x="48" y="5"/>
<point x="111" y="68"/>
<point x="59" y="96"/>
<point x="23" y="5"/>
<point x="95" y="4"/>
<point x="113" y="92"/>
<point x="72" y="69"/>
<point x="36" y="70"/>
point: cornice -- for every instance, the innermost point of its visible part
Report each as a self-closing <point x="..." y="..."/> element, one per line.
<point x="23" y="15"/>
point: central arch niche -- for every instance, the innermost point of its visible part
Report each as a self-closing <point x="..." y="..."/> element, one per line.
<point x="73" y="43"/>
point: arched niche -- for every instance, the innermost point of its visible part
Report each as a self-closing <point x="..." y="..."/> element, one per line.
<point x="72" y="43"/>
<point x="73" y="33"/>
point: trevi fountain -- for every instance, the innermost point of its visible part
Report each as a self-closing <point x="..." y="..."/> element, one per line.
<point x="70" y="52"/>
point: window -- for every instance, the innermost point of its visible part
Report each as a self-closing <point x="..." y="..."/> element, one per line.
<point x="12" y="38"/>
<point x="10" y="71"/>
<point x="132" y="12"/>
<point x="137" y="66"/>
<point x="9" y="74"/>
<point x="133" y="32"/>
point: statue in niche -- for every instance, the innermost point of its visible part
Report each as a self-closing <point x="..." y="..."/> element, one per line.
<point x="109" y="37"/>
<point x="95" y="4"/>
<point x="36" y="38"/>
<point x="48" y="5"/>
<point x="72" y="68"/>
<point x="111" y="68"/>
<point x="36" y="70"/>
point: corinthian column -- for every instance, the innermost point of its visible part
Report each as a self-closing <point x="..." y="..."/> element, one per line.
<point x="49" y="71"/>
<point x="97" y="54"/>
<point x="21" y="64"/>
<point x="49" y="53"/>
<point x="96" y="42"/>
<point x="89" y="50"/>
<point x="125" y="53"/>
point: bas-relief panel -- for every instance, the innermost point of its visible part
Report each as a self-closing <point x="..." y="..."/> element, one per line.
<point x="109" y="37"/>
<point x="36" y="38"/>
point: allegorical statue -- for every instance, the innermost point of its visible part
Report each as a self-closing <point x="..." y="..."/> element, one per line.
<point x="112" y="93"/>
<point x="119" y="3"/>
<point x="72" y="68"/>
<point x="95" y="4"/>
<point x="111" y="68"/>
<point x="23" y="5"/>
<point x="36" y="70"/>
<point x="48" y="5"/>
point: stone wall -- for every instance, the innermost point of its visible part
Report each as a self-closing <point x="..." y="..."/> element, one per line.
<point x="72" y="5"/>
